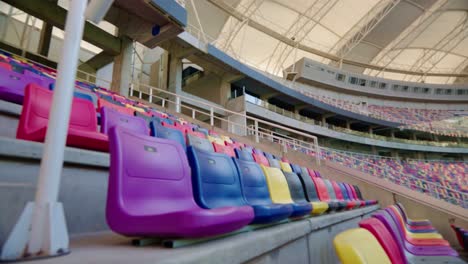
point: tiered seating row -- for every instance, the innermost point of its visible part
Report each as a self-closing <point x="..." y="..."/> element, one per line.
<point x="203" y="183"/>
<point x="389" y="236"/>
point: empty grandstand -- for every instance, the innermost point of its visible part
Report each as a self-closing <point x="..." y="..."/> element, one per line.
<point x="243" y="131"/>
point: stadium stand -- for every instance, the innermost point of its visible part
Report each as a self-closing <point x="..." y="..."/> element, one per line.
<point x="255" y="193"/>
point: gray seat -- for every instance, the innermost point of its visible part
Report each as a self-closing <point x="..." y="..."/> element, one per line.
<point x="274" y="163"/>
<point x="199" y="143"/>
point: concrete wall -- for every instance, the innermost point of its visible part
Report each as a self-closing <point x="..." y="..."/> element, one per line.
<point x="313" y="72"/>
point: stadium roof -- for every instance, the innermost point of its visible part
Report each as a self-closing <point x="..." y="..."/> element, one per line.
<point x="401" y="36"/>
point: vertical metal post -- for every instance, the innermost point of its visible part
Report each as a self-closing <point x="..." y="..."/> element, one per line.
<point x="150" y="94"/>
<point x="193" y="113"/>
<point x="211" y="116"/>
<point x="163" y="103"/>
<point x="177" y="104"/>
<point x="256" y="131"/>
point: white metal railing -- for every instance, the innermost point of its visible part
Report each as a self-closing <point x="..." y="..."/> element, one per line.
<point x="166" y="98"/>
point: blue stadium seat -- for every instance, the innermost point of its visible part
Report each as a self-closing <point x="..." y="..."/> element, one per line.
<point x="274" y="163"/>
<point x="200" y="143"/>
<point x="257" y="195"/>
<point x="243" y="155"/>
<point x="157" y="130"/>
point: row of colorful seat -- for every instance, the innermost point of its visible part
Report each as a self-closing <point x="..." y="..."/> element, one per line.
<point x="450" y="176"/>
<point x="389" y="236"/>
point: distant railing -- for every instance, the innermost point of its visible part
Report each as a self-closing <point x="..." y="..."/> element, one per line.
<point x="305" y="119"/>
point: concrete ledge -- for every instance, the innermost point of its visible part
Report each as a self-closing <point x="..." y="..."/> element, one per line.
<point x="14" y="148"/>
<point x="284" y="243"/>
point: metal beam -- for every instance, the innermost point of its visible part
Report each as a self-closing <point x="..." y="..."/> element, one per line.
<point x="278" y="36"/>
<point x="51" y="13"/>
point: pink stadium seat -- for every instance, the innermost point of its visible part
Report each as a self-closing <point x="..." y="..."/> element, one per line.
<point x="260" y="159"/>
<point x="224" y="149"/>
<point x="82" y="131"/>
<point x="121" y="109"/>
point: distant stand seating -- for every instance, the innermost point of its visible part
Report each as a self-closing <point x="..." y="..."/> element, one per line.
<point x="444" y="173"/>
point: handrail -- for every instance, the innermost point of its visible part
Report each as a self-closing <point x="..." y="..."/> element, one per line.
<point x="312" y="146"/>
<point x="401" y="176"/>
<point x="281" y="111"/>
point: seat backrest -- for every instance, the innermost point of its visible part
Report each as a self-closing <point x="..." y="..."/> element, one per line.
<point x="215" y="179"/>
<point x="385" y="239"/>
<point x="268" y="155"/>
<point x="111" y="118"/>
<point x="274" y="163"/>
<point x="234" y="145"/>
<point x="330" y="190"/>
<point x="322" y="191"/>
<point x="277" y="185"/>
<point x="201" y="143"/>
<point x="216" y="140"/>
<point x="224" y="149"/>
<point x="17" y="82"/>
<point x="258" y="151"/>
<point x="353" y="192"/>
<point x="344" y="192"/>
<point x="196" y="134"/>
<point x="309" y="187"/>
<point x="187" y="127"/>
<point x="284" y="159"/>
<point x="285" y="166"/>
<point x="295" y="187"/>
<point x="122" y="109"/>
<point x="337" y="189"/>
<point x="253" y="182"/>
<point x="311" y="172"/>
<point x="260" y="159"/>
<point x="296" y="168"/>
<point x="147" y="118"/>
<point x="202" y="130"/>
<point x="157" y="130"/>
<point x="398" y="221"/>
<point x="359" y="246"/>
<point x="304" y="171"/>
<point x="317" y="173"/>
<point x="147" y="175"/>
<point x="349" y="193"/>
<point x="358" y="192"/>
<point x="36" y="108"/>
<point x="391" y="227"/>
<point x="243" y="155"/>
<point x="180" y="128"/>
<point x="5" y="65"/>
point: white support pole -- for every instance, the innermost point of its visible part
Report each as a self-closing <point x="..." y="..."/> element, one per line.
<point x="256" y="131"/>
<point x="177" y="109"/>
<point x="211" y="116"/>
<point x="163" y="103"/>
<point x="41" y="229"/>
<point x="193" y="113"/>
<point x="150" y="94"/>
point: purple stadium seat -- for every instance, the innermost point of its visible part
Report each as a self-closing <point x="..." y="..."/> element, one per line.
<point x="150" y="192"/>
<point x="82" y="131"/>
<point x="12" y="85"/>
<point x="111" y="117"/>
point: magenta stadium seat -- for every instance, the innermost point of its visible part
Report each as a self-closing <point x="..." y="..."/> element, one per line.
<point x="12" y="85"/>
<point x="260" y="159"/>
<point x="82" y="131"/>
<point x="150" y="192"/>
<point x="111" y="118"/>
<point x="121" y="109"/>
<point x="224" y="149"/>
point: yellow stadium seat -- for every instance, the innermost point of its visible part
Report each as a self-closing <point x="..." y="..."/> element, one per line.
<point x="359" y="246"/>
<point x="226" y="138"/>
<point x="277" y="185"/>
<point x="215" y="140"/>
<point x="285" y="167"/>
<point x="319" y="208"/>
